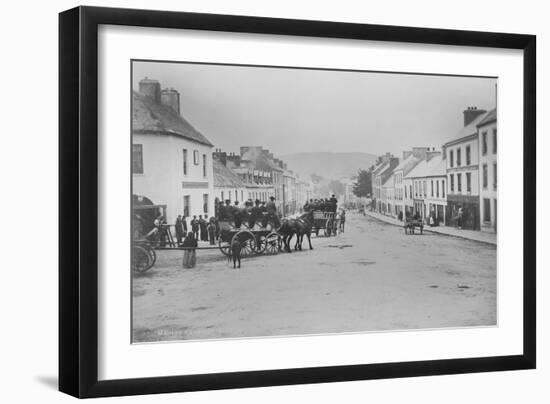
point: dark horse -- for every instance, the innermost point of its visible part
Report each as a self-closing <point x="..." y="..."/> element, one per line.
<point x="300" y="227"/>
<point x="304" y="225"/>
<point x="287" y="230"/>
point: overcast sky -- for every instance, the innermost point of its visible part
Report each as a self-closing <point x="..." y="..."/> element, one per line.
<point x="296" y="110"/>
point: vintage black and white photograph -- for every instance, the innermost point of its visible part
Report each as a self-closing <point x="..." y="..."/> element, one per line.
<point x="281" y="201"/>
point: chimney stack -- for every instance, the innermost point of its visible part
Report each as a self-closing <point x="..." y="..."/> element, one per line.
<point x="431" y="154"/>
<point x="220" y="156"/>
<point x="171" y="98"/>
<point x="150" y="88"/>
<point x="472" y="113"/>
<point x="420" y="152"/>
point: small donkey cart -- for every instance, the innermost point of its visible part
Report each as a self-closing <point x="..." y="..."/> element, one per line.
<point x="410" y="223"/>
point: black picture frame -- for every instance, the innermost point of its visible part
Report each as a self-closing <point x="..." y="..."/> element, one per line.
<point x="78" y="206"/>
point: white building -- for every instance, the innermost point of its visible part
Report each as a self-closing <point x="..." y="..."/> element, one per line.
<point x="380" y="174"/>
<point x="171" y="160"/>
<point x="427" y="181"/>
<point x="462" y="158"/>
<point x="387" y="196"/>
<point x="487" y="135"/>
<point x="435" y="200"/>
<point x="416" y="179"/>
<point x="403" y="185"/>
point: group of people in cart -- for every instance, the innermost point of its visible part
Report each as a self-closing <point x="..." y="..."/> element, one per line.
<point x="324" y="205"/>
<point x="252" y="213"/>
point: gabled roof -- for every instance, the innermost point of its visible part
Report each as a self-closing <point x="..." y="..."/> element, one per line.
<point x="380" y="170"/>
<point x="407" y="164"/>
<point x="489" y="118"/>
<point x="435" y="167"/>
<point x="468" y="130"/>
<point x="148" y="116"/>
<point x="419" y="171"/>
<point x="225" y="178"/>
<point x="378" y="167"/>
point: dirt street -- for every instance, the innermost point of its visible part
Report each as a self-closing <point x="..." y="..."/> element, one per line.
<point x="372" y="277"/>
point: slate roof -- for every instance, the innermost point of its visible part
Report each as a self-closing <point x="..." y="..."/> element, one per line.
<point x="407" y="164"/>
<point x="225" y="178"/>
<point x="489" y="118"/>
<point x="148" y="116"/>
<point x="468" y="130"/>
<point x="435" y="167"/>
<point x="419" y="171"/>
<point x="378" y="167"/>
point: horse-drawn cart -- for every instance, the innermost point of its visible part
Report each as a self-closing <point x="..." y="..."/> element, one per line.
<point x="253" y="241"/>
<point x="410" y="223"/>
<point x="326" y="221"/>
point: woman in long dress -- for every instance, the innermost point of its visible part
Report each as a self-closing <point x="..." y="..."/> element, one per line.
<point x="189" y="255"/>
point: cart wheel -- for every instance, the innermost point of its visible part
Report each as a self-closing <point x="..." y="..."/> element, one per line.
<point x="153" y="255"/>
<point x="261" y="244"/>
<point x="247" y="241"/>
<point x="273" y="243"/>
<point x="224" y="247"/>
<point x="141" y="259"/>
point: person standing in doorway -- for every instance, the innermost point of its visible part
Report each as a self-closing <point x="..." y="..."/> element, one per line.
<point x="180" y="233"/>
<point x="195" y="227"/>
<point x="202" y="227"/>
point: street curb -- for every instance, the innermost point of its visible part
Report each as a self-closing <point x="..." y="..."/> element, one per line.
<point x="435" y="231"/>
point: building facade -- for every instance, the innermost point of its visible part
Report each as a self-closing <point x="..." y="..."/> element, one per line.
<point x="227" y="184"/>
<point x="171" y="160"/>
<point x="487" y="136"/>
<point x="257" y="184"/>
<point x="403" y="185"/>
<point x="435" y="200"/>
<point x="418" y="189"/>
<point x="266" y="169"/>
<point x="387" y="196"/>
<point x="379" y="175"/>
<point x="462" y="166"/>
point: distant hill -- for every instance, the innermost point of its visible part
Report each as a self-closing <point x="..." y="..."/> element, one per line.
<point x="328" y="164"/>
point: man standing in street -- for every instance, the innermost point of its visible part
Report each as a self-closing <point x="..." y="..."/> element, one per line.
<point x="272" y="212"/>
<point x="333" y="202"/>
<point x="237" y="214"/>
<point x="255" y="214"/>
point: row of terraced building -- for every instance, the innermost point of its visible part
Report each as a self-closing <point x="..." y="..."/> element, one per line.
<point x="436" y="185"/>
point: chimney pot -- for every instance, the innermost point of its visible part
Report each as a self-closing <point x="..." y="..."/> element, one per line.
<point x="171" y="98"/>
<point x="150" y="88"/>
<point x="472" y="113"/>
